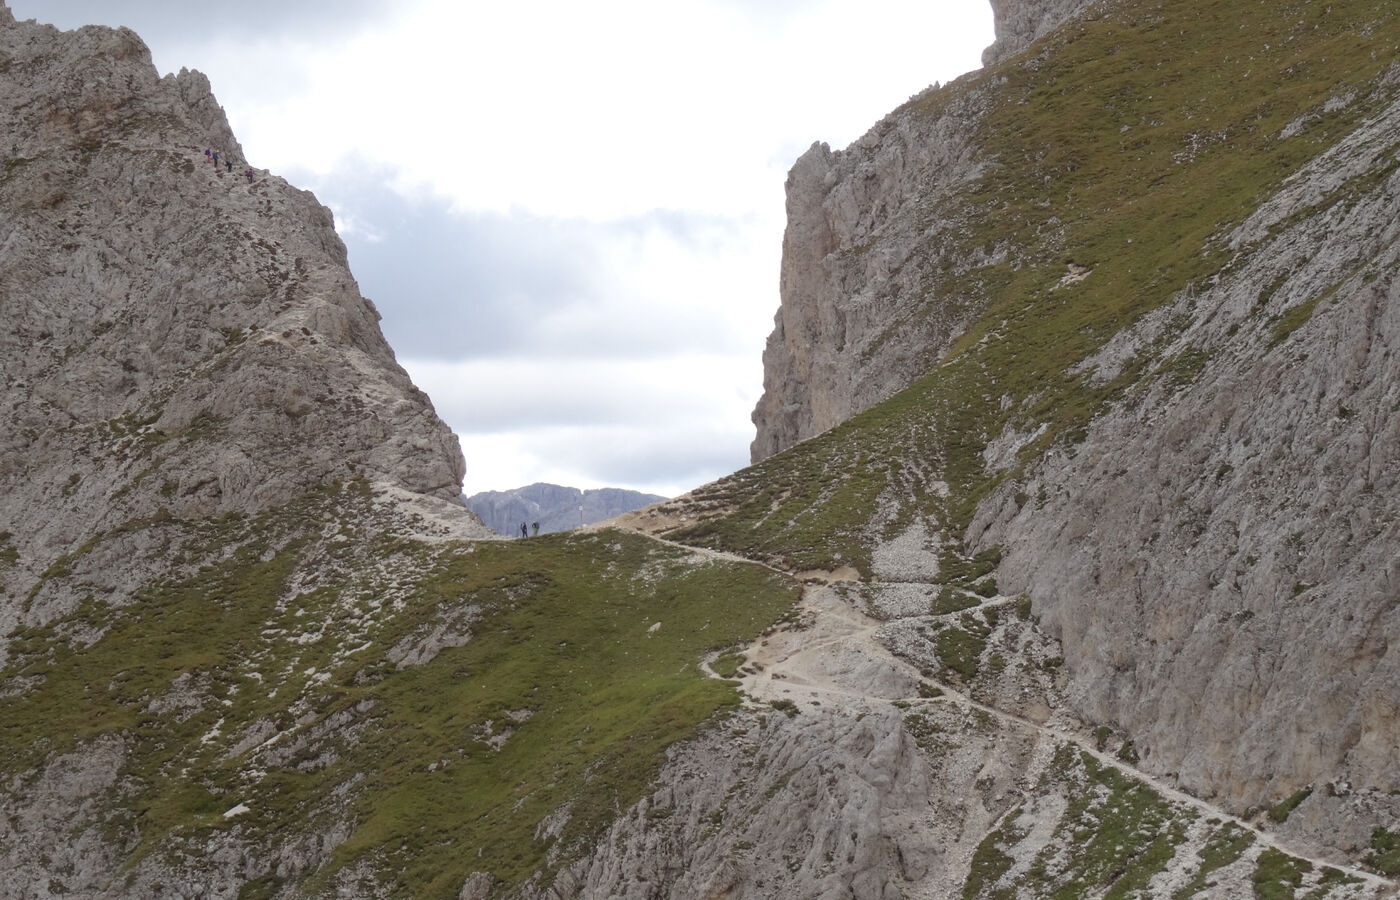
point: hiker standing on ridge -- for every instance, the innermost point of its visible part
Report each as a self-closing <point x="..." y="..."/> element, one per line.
<point x="536" y="527"/>
<point x="524" y="531"/>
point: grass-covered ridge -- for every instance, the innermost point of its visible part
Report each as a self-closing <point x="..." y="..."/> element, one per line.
<point x="1125" y="146"/>
<point x="309" y="673"/>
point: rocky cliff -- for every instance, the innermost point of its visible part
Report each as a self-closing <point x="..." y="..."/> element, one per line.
<point x="170" y="323"/>
<point x="1214" y="546"/>
<point x="878" y="275"/>
<point x="1020" y="22"/>
<point x="253" y="643"/>
<point x="1125" y="351"/>
<point x="1099" y="601"/>
<point x="1218" y="555"/>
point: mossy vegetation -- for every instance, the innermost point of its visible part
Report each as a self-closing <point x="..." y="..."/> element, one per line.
<point x="950" y="600"/>
<point x="960" y="644"/>
<point x="1279" y="811"/>
<point x="990" y="861"/>
<point x="1138" y="138"/>
<point x="808" y="510"/>
<point x="1125" y="832"/>
<point x="1223" y="848"/>
<point x="1384" y="855"/>
<point x="247" y="684"/>
<point x="12" y="165"/>
<point x="1293" y="319"/>
<point x="9" y="555"/>
<point x="727" y="663"/>
<point x="1277" y="876"/>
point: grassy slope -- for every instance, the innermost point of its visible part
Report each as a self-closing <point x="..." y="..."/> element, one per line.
<point x="1129" y="145"/>
<point x="560" y="633"/>
<point x="1159" y="123"/>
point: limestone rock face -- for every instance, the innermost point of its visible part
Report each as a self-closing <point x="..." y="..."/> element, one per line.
<point x="155" y="303"/>
<point x="1019" y="22"/>
<point x="1220" y="559"/>
<point x="868" y="252"/>
<point x="862" y="255"/>
<point x="1216" y="548"/>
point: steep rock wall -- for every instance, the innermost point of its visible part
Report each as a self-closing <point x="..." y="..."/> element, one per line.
<point x="1219" y="558"/>
<point x="1019" y="22"/>
<point x="1215" y="545"/>
<point x="868" y="263"/>
<point x="862" y="255"/>
<point x="171" y="323"/>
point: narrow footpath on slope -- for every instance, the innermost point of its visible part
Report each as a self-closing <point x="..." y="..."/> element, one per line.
<point x="832" y="656"/>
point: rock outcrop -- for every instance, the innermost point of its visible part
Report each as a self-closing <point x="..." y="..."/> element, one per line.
<point x="171" y="323"/>
<point x="1174" y="440"/>
<point x="872" y="285"/>
<point x="1020" y="22"/>
<point x="1219" y="555"/>
<point x="862" y="255"/>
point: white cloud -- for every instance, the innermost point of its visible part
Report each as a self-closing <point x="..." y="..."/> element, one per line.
<point x="662" y="426"/>
<point x="598" y="110"/>
<point x="569" y="214"/>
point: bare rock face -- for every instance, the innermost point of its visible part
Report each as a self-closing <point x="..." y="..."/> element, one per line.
<point x="170" y="323"/>
<point x="1216" y="549"/>
<point x="1219" y="559"/>
<point x="1019" y="22"/>
<point x="854" y="325"/>
<point x="868" y="254"/>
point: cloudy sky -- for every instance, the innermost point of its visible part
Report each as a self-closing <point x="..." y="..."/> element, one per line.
<point x="569" y="214"/>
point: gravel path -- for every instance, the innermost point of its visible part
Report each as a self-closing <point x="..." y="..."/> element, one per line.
<point x="831" y="656"/>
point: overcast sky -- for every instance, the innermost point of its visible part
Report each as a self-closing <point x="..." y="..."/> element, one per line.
<point x="569" y="214"/>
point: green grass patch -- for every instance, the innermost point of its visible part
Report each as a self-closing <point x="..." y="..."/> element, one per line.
<point x="960" y="646"/>
<point x="1141" y="135"/>
<point x="9" y="555"/>
<point x="564" y="698"/>
<point x="1384" y="855"/>
<point x="1123" y="833"/>
<point x="1277" y="876"/>
<point x="990" y="861"/>
<point x="1225" y="846"/>
<point x="726" y="664"/>
<point x="950" y="599"/>
<point x="1292" y="319"/>
<point x="1280" y="811"/>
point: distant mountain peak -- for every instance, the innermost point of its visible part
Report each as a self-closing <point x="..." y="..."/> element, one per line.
<point x="553" y="506"/>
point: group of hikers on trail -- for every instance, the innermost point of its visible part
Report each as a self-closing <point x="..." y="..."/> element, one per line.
<point x="212" y="156"/>
<point x="525" y="532"/>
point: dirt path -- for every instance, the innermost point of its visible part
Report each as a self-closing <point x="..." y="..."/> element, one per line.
<point x="839" y="661"/>
<point x="831" y="656"/>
